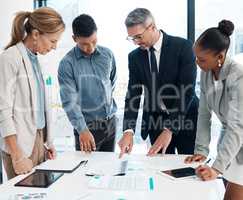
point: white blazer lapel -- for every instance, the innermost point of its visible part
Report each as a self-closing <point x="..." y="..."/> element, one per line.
<point x="30" y="75"/>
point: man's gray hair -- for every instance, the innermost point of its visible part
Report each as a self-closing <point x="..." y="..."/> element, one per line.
<point x="139" y="16"/>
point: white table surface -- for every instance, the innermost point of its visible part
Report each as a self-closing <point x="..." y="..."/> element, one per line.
<point x="74" y="186"/>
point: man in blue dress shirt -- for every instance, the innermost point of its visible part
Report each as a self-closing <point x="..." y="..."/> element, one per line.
<point x="87" y="76"/>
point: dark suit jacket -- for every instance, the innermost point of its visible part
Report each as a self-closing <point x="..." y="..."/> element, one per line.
<point x="176" y="79"/>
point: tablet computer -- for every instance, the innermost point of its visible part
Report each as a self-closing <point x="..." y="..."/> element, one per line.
<point x="180" y="173"/>
<point x="42" y="179"/>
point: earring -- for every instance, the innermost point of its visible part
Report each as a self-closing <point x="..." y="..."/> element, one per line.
<point x="219" y="63"/>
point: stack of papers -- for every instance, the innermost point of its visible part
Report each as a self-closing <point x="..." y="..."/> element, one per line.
<point x="122" y="183"/>
<point x="118" y="168"/>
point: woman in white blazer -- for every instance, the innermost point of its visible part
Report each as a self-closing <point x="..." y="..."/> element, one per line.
<point x="24" y="119"/>
<point x="221" y="93"/>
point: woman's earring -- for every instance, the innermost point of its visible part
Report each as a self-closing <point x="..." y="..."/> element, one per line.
<point x="219" y="63"/>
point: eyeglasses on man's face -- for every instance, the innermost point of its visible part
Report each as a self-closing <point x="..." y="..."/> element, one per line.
<point x="138" y="36"/>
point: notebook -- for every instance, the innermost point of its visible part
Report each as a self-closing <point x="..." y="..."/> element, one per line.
<point x="61" y="164"/>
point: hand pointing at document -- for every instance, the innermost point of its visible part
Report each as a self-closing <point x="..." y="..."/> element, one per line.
<point x="126" y="143"/>
<point x="161" y="143"/>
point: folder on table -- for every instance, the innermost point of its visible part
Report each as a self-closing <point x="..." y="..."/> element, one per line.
<point x="61" y="164"/>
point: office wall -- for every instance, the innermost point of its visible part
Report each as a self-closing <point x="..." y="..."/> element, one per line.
<point x="7" y="10"/>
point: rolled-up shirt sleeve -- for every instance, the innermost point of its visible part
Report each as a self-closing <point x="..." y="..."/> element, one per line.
<point x="69" y="96"/>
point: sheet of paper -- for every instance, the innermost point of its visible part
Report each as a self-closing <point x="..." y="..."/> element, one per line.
<point x="108" y="169"/>
<point x="83" y="196"/>
<point x="167" y="163"/>
<point x="122" y="183"/>
<point x="61" y="163"/>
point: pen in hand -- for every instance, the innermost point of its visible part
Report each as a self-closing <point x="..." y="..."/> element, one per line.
<point x="51" y="153"/>
<point x="205" y="165"/>
<point x="207" y="162"/>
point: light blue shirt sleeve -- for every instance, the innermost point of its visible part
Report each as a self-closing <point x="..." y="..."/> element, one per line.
<point x="69" y="96"/>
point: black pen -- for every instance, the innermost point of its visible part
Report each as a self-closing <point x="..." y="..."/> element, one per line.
<point x="93" y="174"/>
<point x="84" y="162"/>
<point x="90" y="174"/>
<point x="207" y="161"/>
<point x="120" y="174"/>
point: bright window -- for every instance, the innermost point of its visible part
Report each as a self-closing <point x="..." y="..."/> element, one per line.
<point x="208" y="14"/>
<point x="171" y="16"/>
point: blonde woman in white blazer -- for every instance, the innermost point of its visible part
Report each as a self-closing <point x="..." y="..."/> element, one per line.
<point x="24" y="118"/>
<point x="221" y="93"/>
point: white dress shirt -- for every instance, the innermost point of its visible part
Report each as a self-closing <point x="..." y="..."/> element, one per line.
<point x="157" y="46"/>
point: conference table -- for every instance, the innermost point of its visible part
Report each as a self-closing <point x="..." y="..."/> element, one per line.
<point x="75" y="185"/>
